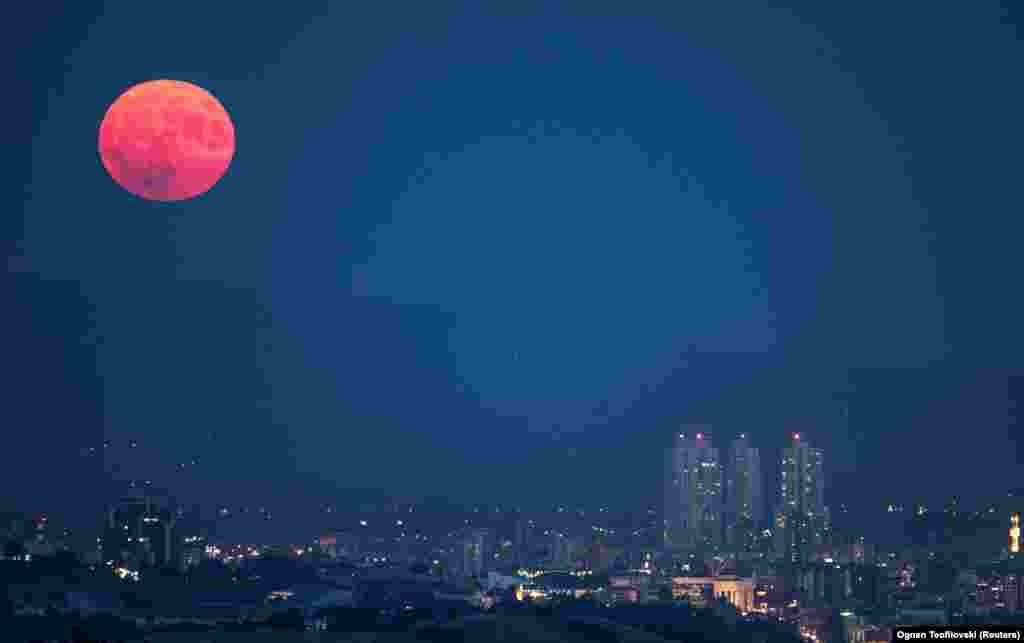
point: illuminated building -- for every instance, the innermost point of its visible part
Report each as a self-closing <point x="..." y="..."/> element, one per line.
<point x="599" y="556"/>
<point x="139" y="533"/>
<point x="693" y="499"/>
<point x="1013" y="592"/>
<point x="803" y="481"/>
<point x="469" y="553"/>
<point x="521" y="538"/>
<point x="193" y="552"/>
<point x="340" y="544"/>
<point x="739" y="592"/>
<point x="564" y="551"/>
<point x="1015" y="533"/>
<point x="550" y="585"/>
<point x="1000" y="586"/>
<point x="802" y="517"/>
<point x="698" y="590"/>
<point x="744" y="499"/>
<point x="631" y="587"/>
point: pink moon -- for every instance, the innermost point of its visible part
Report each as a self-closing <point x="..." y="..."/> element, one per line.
<point x="166" y="140"/>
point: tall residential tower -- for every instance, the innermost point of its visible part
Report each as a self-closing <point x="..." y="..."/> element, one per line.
<point x="803" y="480"/>
<point x="744" y="492"/>
<point x="802" y="518"/>
<point x="693" y="499"/>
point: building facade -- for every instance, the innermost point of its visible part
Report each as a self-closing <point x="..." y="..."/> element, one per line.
<point x="694" y="493"/>
<point x="701" y="590"/>
<point x="1014" y="534"/>
<point x="744" y="494"/>
<point x="801" y="521"/>
<point x="470" y="553"/>
<point x="565" y="551"/>
<point x="803" y="480"/>
<point x="342" y="544"/>
<point x="139" y="533"/>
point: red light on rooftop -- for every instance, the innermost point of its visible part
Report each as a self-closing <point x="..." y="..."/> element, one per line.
<point x="700" y="436"/>
<point x="796" y="436"/>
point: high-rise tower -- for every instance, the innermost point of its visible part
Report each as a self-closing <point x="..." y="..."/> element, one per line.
<point x="693" y="500"/>
<point x="802" y="517"/>
<point x="139" y="533"/>
<point x="744" y="491"/>
<point x="803" y="480"/>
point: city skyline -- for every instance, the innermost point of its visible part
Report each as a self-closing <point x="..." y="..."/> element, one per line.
<point x="527" y="321"/>
<point x="331" y="499"/>
<point x="512" y="321"/>
<point x="466" y="267"/>
<point x="268" y="519"/>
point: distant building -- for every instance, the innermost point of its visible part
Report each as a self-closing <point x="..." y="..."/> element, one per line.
<point x="999" y="586"/>
<point x="499" y="581"/>
<point x="802" y="520"/>
<point x="521" y="533"/>
<point x="701" y="590"/>
<point x="803" y="479"/>
<point x="1013" y="591"/>
<point x="630" y="587"/>
<point x="693" y="498"/>
<point x="193" y="551"/>
<point x="140" y="533"/>
<point x="744" y="494"/>
<point x="565" y="551"/>
<point x="1014" y="533"/>
<point x="469" y="553"/>
<point x="877" y="634"/>
<point x="340" y="544"/>
<point x="552" y="585"/>
<point x="599" y="556"/>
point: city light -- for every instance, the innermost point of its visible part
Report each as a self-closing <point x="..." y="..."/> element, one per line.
<point x="1015" y="533"/>
<point x="709" y="473"/>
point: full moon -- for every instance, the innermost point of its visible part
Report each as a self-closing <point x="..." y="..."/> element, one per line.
<point x="166" y="140"/>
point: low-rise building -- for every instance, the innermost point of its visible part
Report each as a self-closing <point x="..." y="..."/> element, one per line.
<point x="552" y="585"/>
<point x="698" y="590"/>
<point x="629" y="587"/>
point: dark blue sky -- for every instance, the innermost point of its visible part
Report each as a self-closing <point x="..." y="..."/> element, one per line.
<point x="500" y="254"/>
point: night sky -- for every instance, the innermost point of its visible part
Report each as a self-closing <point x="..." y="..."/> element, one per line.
<point x="500" y="254"/>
